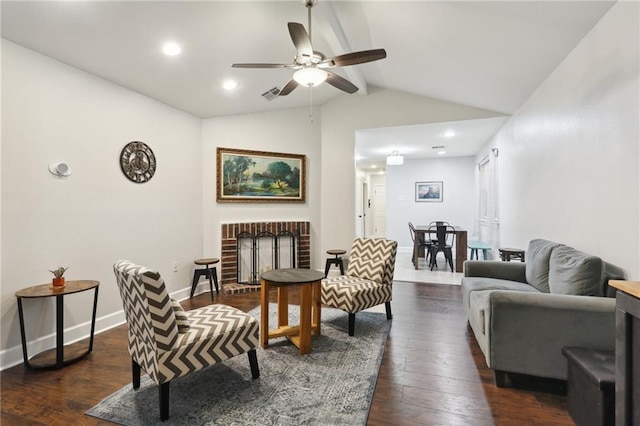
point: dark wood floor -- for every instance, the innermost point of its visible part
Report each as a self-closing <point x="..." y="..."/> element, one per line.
<point x="433" y="373"/>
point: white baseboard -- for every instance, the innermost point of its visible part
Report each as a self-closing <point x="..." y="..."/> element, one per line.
<point x="13" y="356"/>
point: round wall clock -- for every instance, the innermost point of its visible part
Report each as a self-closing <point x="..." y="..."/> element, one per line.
<point x="137" y="161"/>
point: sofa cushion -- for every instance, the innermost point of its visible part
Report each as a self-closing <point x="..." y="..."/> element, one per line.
<point x="475" y="284"/>
<point x="574" y="272"/>
<point x="537" y="259"/>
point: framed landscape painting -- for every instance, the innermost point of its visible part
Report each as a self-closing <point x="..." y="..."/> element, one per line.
<point x="245" y="176"/>
<point x="429" y="191"/>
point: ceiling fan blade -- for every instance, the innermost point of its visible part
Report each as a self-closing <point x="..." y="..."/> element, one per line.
<point x="341" y="83"/>
<point x="360" y="57"/>
<point x="288" y="88"/>
<point x="260" y="65"/>
<point x="300" y="39"/>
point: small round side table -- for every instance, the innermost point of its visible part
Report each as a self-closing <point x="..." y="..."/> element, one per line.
<point x="57" y="357"/>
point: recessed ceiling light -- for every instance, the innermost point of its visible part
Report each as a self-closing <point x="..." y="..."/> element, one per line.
<point x="442" y="152"/>
<point x="373" y="166"/>
<point x="229" y="84"/>
<point x="449" y="134"/>
<point x="171" y="49"/>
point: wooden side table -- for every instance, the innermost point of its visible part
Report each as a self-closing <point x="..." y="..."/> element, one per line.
<point x="506" y="254"/>
<point x="282" y="279"/>
<point x="627" y="398"/>
<point x="57" y="357"/>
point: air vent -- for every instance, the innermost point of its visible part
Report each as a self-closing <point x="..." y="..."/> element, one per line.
<point x="271" y="94"/>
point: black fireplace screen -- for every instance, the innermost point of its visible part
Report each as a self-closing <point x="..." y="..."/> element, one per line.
<point x="261" y="252"/>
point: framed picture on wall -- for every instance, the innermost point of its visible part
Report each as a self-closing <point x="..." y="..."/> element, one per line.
<point x="245" y="176"/>
<point x="430" y="192"/>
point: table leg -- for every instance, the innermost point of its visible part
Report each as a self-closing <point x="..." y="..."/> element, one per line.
<point x="461" y="250"/>
<point x="93" y="319"/>
<point x="283" y="306"/>
<point x="59" y="332"/>
<point x="415" y="253"/>
<point x="264" y="314"/>
<point x="305" y="318"/>
<point x="316" y="306"/>
<point x="23" y="337"/>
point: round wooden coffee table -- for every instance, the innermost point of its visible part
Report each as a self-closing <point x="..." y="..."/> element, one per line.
<point x="282" y="279"/>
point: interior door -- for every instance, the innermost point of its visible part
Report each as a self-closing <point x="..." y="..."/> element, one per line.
<point x="380" y="210"/>
<point x="365" y="202"/>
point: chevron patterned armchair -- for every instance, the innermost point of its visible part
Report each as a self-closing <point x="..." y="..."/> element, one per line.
<point x="167" y="342"/>
<point x="368" y="281"/>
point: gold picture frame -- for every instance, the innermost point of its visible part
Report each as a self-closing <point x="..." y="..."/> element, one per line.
<point x="246" y="176"/>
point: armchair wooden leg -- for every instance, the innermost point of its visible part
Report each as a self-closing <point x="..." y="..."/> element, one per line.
<point x="253" y="362"/>
<point x="387" y="306"/>
<point x="164" y="400"/>
<point x="352" y="322"/>
<point x="135" y="370"/>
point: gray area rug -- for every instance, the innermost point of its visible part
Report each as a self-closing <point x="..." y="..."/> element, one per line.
<point x="333" y="385"/>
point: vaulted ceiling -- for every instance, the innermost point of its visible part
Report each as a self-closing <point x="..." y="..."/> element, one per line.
<point x="490" y="55"/>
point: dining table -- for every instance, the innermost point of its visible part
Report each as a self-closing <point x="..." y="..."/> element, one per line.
<point x="422" y="231"/>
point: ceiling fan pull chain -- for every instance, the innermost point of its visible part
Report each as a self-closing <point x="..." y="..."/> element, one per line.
<point x="310" y="105"/>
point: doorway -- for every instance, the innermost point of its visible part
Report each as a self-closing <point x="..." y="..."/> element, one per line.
<point x="366" y="203"/>
<point x="380" y="210"/>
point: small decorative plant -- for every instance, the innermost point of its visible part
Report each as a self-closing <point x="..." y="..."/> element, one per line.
<point x="58" y="280"/>
<point x="58" y="273"/>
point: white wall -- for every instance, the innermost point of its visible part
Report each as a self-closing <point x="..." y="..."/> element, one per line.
<point x="53" y="112"/>
<point x="457" y="175"/>
<point x="569" y="157"/>
<point x="287" y="131"/>
<point x="344" y="115"/>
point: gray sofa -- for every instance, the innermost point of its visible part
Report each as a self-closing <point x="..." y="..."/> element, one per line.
<point x="523" y="314"/>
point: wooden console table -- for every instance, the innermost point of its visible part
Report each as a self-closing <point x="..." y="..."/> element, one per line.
<point x="57" y="357"/>
<point x="627" y="352"/>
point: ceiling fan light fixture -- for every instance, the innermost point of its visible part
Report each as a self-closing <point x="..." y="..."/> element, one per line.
<point x="310" y="76"/>
<point x="171" y="48"/>
<point x="395" y="159"/>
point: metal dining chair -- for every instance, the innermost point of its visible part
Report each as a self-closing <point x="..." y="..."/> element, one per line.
<point x="442" y="245"/>
<point x="418" y="244"/>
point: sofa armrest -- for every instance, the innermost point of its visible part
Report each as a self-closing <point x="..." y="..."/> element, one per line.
<point x="529" y="330"/>
<point x="512" y="271"/>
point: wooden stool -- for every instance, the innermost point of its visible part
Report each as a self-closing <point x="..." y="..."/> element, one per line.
<point x="335" y="261"/>
<point x="211" y="273"/>
<point x="479" y="245"/>
<point x="506" y="254"/>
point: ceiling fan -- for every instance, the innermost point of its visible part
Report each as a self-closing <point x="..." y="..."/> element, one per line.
<point x="312" y="67"/>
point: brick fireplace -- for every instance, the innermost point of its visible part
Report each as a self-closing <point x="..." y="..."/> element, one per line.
<point x="229" y="251"/>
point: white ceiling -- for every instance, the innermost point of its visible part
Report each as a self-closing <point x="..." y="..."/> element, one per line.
<point x="490" y="55"/>
<point x="456" y="139"/>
